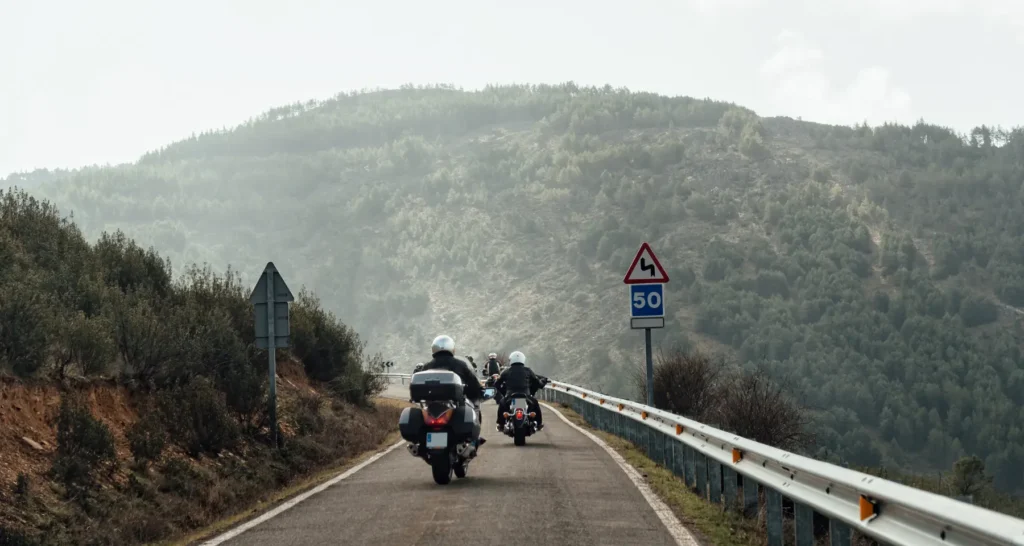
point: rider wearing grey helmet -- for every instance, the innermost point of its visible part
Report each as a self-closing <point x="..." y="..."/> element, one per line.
<point x="443" y="350"/>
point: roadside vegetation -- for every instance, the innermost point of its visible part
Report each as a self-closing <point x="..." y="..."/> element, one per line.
<point x="133" y="403"/>
<point x="746" y="401"/>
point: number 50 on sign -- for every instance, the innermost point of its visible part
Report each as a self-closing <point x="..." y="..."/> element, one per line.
<point x="646" y="300"/>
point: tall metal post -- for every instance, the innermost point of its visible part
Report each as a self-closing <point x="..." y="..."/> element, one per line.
<point x="650" y="368"/>
<point x="272" y="356"/>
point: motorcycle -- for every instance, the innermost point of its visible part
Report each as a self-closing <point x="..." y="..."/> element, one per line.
<point x="519" y="420"/>
<point x="441" y="430"/>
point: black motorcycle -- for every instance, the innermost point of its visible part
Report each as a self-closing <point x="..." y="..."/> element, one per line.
<point x="441" y="430"/>
<point x="520" y="420"/>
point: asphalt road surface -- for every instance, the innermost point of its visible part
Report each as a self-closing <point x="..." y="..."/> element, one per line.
<point x="560" y="489"/>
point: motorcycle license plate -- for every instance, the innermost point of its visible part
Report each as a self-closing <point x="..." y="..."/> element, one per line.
<point x="437" y="440"/>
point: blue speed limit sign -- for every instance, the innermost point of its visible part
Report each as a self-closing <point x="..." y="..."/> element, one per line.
<point x="646" y="300"/>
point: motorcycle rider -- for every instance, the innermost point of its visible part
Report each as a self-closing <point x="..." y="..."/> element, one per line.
<point x="518" y="379"/>
<point x="492" y="366"/>
<point x="443" y="351"/>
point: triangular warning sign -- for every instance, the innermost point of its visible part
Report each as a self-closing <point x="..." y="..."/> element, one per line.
<point x="646" y="269"/>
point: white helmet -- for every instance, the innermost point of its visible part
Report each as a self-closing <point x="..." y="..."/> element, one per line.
<point x="442" y="343"/>
<point x="492" y="356"/>
<point x="517" y="357"/>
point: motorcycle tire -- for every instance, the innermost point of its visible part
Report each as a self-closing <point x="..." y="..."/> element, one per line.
<point x="520" y="437"/>
<point x="441" y="468"/>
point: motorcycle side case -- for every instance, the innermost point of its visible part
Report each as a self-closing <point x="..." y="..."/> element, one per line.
<point x="436" y="386"/>
<point x="410" y="424"/>
<point x="464" y="423"/>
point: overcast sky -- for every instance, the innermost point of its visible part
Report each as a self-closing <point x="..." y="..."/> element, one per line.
<point x="103" y="81"/>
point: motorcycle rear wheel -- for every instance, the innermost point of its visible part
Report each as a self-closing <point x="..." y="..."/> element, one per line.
<point x="441" y="468"/>
<point x="520" y="437"/>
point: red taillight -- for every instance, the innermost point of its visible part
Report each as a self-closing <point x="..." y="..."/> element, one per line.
<point x="438" y="421"/>
<point x="519" y="413"/>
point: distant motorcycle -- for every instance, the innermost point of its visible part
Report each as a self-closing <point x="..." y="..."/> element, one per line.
<point x="520" y="421"/>
<point x="441" y="429"/>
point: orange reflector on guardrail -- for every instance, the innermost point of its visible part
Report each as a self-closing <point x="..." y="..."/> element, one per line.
<point x="679" y="429"/>
<point x="737" y="455"/>
<point x="867" y="508"/>
<point x="583" y="395"/>
<point x="621" y="406"/>
<point x="602" y="401"/>
<point x="643" y="415"/>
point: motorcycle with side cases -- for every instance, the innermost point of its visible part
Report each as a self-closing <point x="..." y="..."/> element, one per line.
<point x="441" y="430"/>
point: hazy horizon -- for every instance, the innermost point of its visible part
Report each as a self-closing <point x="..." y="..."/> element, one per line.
<point x="109" y="82"/>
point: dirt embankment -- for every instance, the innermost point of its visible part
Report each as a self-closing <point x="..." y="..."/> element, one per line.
<point x="153" y="498"/>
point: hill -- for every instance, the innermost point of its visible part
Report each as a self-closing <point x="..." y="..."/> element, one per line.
<point x="133" y="404"/>
<point x="881" y="269"/>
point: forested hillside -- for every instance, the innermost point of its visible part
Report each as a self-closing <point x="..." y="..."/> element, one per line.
<point x="882" y="269"/>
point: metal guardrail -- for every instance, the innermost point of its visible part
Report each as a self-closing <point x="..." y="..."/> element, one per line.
<point x="733" y="470"/>
<point x="718" y="463"/>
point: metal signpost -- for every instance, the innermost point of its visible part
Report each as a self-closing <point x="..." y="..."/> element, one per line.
<point x="270" y="300"/>
<point x="646" y="280"/>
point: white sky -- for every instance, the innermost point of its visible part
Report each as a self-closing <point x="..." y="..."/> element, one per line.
<point x="104" y="81"/>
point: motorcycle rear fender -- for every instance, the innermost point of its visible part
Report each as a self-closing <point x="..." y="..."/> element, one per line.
<point x="410" y="424"/>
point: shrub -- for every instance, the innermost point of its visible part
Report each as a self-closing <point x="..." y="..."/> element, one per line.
<point x="197" y="417"/>
<point x="358" y="385"/>
<point x="147" y="437"/>
<point x="326" y="347"/>
<point x="753" y="406"/>
<point x="685" y="383"/>
<point x="85" y="342"/>
<point x="84" y="446"/>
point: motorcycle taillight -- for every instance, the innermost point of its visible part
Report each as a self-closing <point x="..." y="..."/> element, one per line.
<point x="438" y="421"/>
<point x="519" y="413"/>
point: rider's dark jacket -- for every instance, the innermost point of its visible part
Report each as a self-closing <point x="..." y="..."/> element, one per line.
<point x="443" y="360"/>
<point x="518" y="379"/>
<point x="493" y="367"/>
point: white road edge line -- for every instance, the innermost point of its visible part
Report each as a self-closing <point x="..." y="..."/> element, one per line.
<point x="678" y="531"/>
<point x="297" y="499"/>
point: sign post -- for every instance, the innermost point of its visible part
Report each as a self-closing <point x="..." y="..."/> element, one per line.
<point x="646" y="302"/>
<point x="270" y="299"/>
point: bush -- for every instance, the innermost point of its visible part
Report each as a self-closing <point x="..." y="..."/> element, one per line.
<point x="24" y="327"/>
<point x="327" y="348"/>
<point x="84" y="446"/>
<point x="307" y="412"/>
<point x="147" y="437"/>
<point x="85" y="342"/>
<point x="751" y="405"/>
<point x="359" y="385"/>
<point x="197" y="417"/>
<point x="685" y="383"/>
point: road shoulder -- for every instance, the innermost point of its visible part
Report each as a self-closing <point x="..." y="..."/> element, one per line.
<point x="709" y="524"/>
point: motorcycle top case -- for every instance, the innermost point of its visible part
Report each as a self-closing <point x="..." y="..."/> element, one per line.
<point x="436" y="386"/>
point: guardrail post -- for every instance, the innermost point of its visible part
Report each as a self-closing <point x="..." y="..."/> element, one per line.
<point x="751" y="499"/>
<point x="838" y="533"/>
<point x="690" y="468"/>
<point x="715" y="480"/>
<point x="804" y="524"/>
<point x="729" y="476"/>
<point x="702" y="475"/>
<point x="774" y="520"/>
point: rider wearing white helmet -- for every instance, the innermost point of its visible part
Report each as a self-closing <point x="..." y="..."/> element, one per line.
<point x="518" y="379"/>
<point x="443" y="351"/>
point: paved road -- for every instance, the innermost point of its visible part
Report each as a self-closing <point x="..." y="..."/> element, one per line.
<point x="560" y="489"/>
